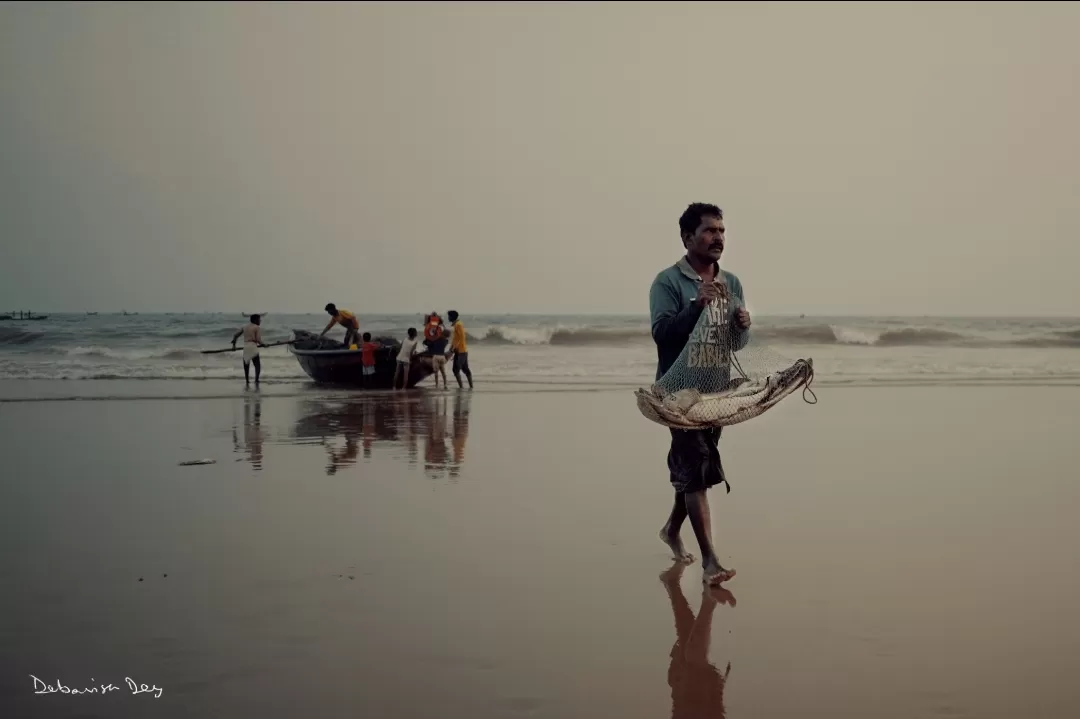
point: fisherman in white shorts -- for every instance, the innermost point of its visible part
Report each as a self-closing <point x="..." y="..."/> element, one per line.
<point x="404" y="359"/>
<point x="252" y="333"/>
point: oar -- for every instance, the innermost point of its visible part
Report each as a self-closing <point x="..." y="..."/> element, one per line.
<point x="237" y="349"/>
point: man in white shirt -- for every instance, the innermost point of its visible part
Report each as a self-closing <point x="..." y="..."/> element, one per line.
<point x="404" y="359"/>
<point x="252" y="333"/>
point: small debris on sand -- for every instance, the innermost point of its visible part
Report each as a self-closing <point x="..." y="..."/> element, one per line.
<point x="193" y="462"/>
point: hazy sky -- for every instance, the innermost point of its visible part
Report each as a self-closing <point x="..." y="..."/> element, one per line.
<point x="535" y="157"/>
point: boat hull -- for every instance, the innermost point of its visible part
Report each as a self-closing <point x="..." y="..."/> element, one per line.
<point x="344" y="367"/>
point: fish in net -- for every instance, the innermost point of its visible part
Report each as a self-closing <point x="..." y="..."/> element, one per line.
<point x="723" y="376"/>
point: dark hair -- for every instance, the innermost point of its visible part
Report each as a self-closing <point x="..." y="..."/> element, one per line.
<point x="690" y="219"/>
<point x="331" y="308"/>
<point x="367" y="336"/>
<point x="255" y="319"/>
<point x="412" y="332"/>
<point x="452" y="315"/>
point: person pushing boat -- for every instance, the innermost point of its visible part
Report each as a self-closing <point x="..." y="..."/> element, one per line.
<point x="435" y="340"/>
<point x="347" y="320"/>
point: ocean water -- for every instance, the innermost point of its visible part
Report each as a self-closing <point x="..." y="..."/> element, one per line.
<point x="605" y="350"/>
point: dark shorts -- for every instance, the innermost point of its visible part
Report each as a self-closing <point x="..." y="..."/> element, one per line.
<point x="694" y="460"/>
<point x="461" y="362"/>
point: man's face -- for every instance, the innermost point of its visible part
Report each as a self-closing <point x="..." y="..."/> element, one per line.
<point x="708" y="240"/>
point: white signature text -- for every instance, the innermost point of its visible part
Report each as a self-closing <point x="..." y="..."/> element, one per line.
<point x="41" y="687"/>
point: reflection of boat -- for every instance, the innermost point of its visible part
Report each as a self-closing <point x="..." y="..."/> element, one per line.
<point x="330" y="362"/>
<point x="403" y="421"/>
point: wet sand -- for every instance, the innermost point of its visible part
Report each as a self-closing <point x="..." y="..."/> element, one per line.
<point x="900" y="553"/>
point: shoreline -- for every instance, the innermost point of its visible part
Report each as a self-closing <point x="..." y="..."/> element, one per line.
<point x="59" y="390"/>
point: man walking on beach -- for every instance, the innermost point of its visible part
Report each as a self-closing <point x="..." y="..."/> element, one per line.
<point x="252" y="333"/>
<point x="678" y="296"/>
<point x="459" y="348"/>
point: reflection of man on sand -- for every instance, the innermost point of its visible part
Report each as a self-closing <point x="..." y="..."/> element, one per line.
<point x="365" y="423"/>
<point x="460" y="432"/>
<point x="408" y="429"/>
<point x="697" y="686"/>
<point x="368" y="429"/>
<point x="435" y="448"/>
<point x="347" y="455"/>
<point x="253" y="434"/>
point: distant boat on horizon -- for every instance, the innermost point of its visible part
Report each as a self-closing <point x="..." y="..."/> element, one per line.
<point x="24" y="316"/>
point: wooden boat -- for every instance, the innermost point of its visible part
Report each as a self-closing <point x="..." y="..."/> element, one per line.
<point x="328" y="361"/>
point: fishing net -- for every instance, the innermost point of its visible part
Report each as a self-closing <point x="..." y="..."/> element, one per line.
<point x="723" y="376"/>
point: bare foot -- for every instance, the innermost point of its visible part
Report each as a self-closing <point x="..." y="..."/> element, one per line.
<point x="715" y="574"/>
<point x="672" y="574"/>
<point x="675" y="544"/>
<point x="718" y="594"/>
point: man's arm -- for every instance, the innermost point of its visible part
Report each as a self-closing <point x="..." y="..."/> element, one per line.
<point x="670" y="323"/>
<point x="237" y="336"/>
<point x="333" y="321"/>
<point x="742" y="337"/>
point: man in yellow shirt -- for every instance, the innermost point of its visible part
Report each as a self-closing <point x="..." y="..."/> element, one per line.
<point x="459" y="348"/>
<point x="347" y="320"/>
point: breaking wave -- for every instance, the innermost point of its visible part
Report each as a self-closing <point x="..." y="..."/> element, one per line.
<point x="1069" y="338"/>
<point x="121" y="353"/>
<point x="559" y="336"/>
<point x="914" y="336"/>
<point x="817" y="334"/>
<point x="907" y="337"/>
<point x="16" y="336"/>
<point x="168" y="338"/>
<point x="839" y="334"/>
